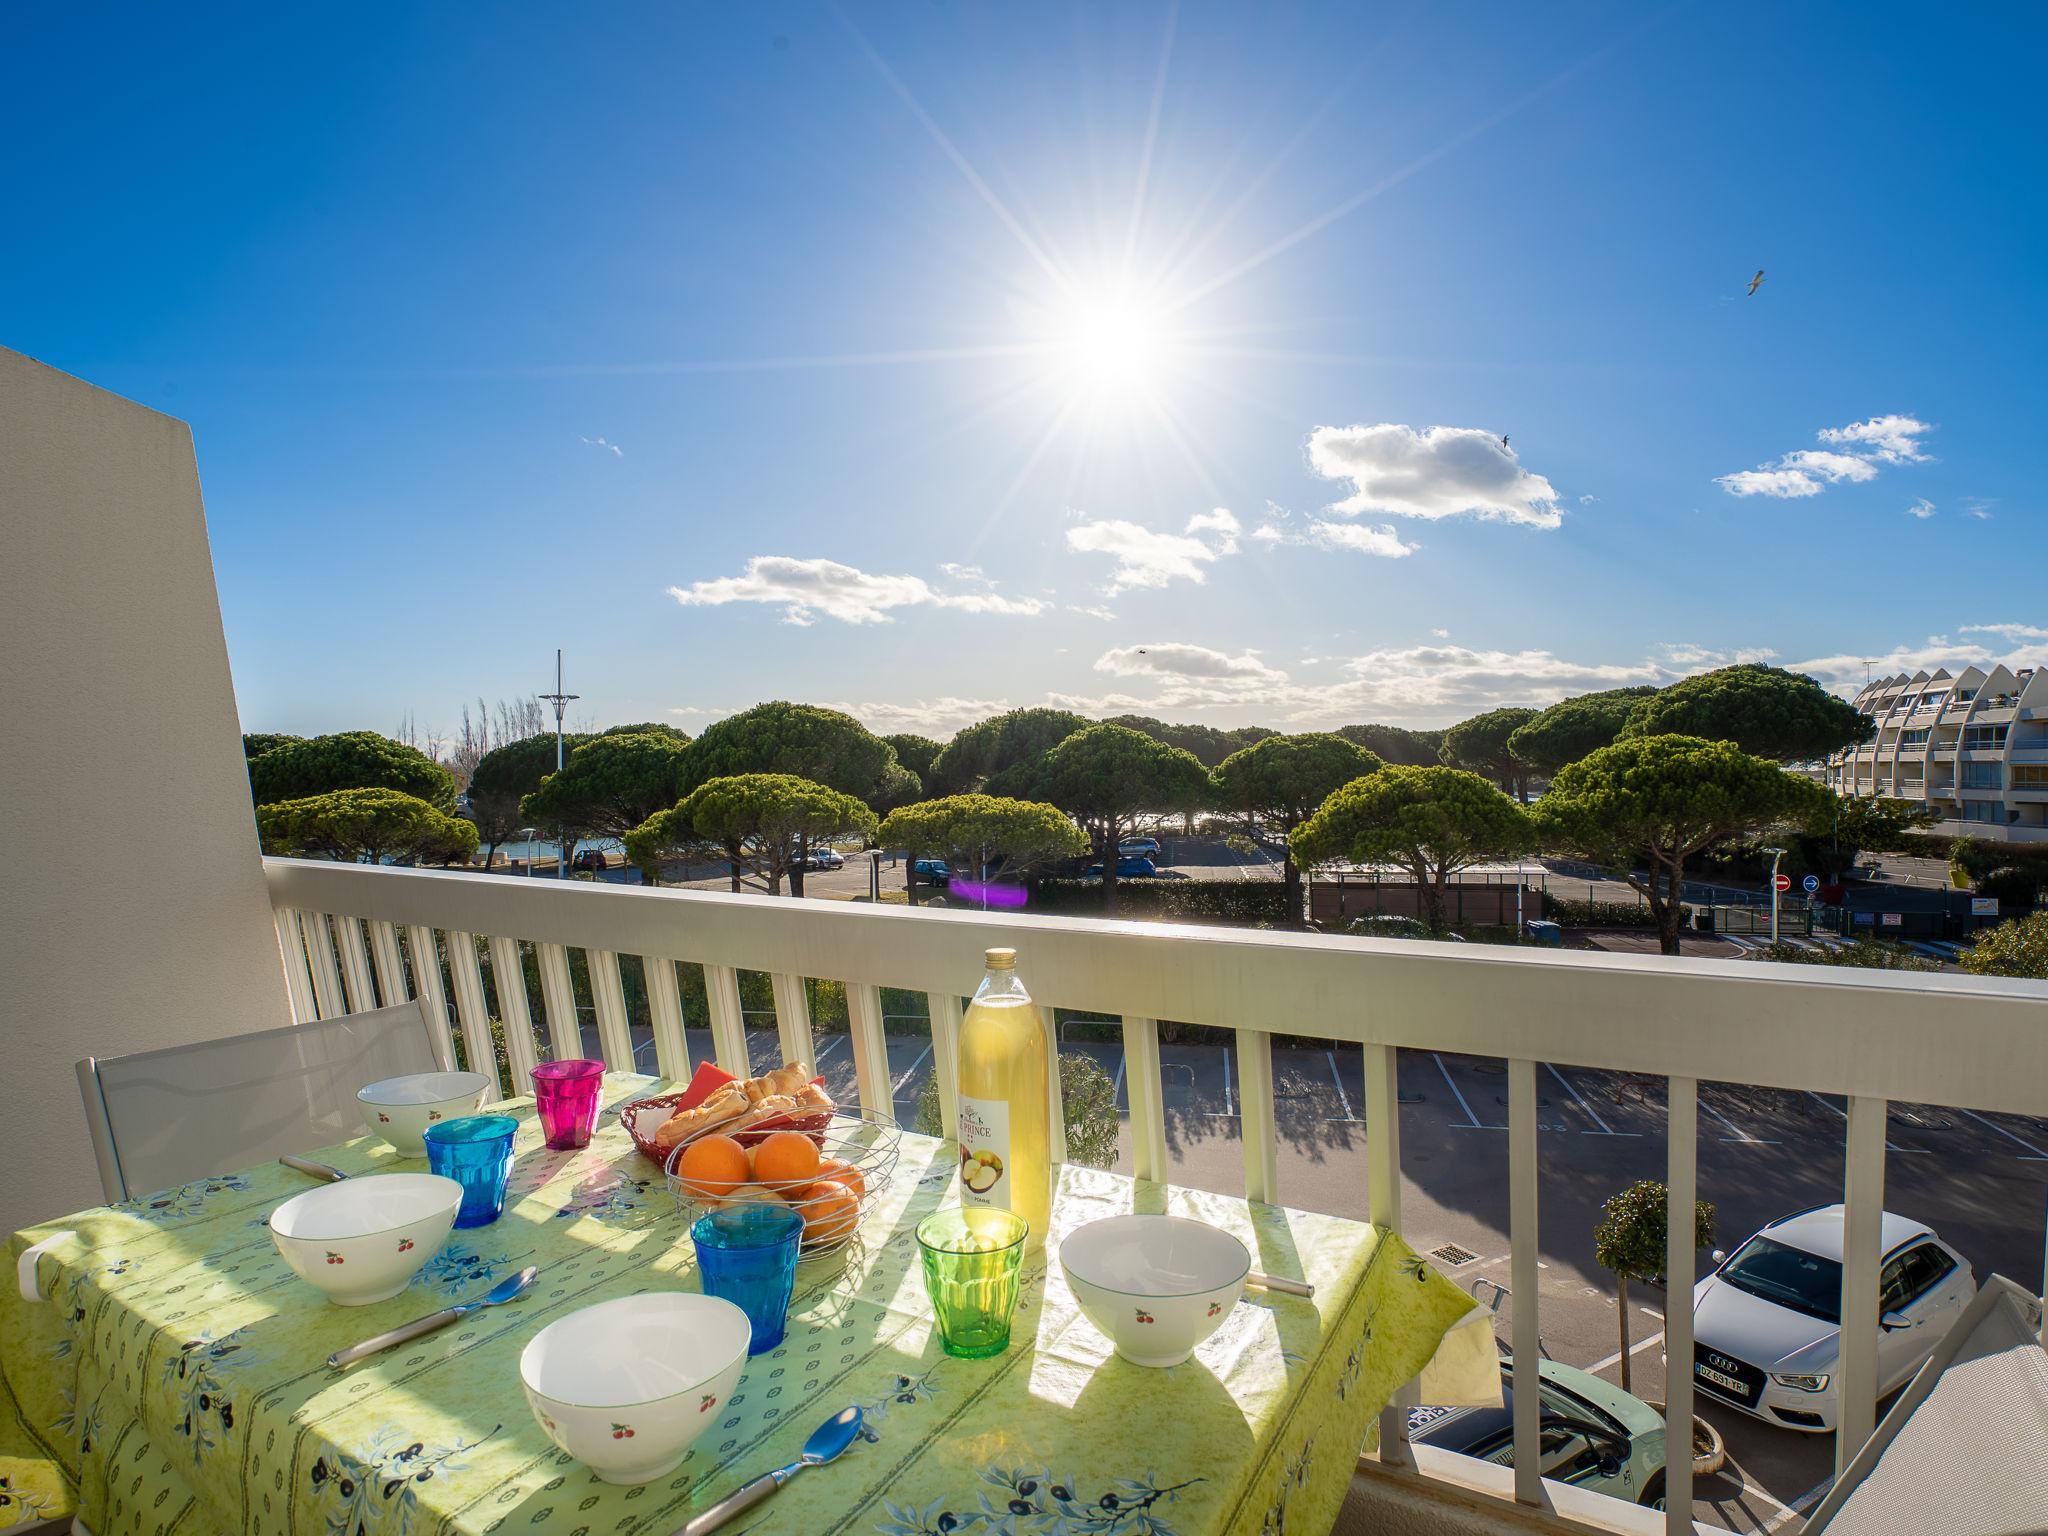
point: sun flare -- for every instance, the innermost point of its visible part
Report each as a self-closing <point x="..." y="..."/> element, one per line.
<point x="1104" y="344"/>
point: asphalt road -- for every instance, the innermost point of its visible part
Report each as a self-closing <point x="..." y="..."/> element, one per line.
<point x="1981" y="1181"/>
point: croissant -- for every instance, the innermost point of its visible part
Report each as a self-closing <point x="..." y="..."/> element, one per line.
<point x="787" y="1079"/>
<point x="728" y="1103"/>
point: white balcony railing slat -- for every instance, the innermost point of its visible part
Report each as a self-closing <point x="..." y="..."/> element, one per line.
<point x="608" y="993"/>
<point x="1383" y="1208"/>
<point x="1523" y="1273"/>
<point x="1050" y="1021"/>
<point x="665" y="1003"/>
<point x="1255" y="1102"/>
<point x="514" y="1012"/>
<point x="944" y="1011"/>
<point x="558" y="999"/>
<point x="298" y="979"/>
<point x="355" y="964"/>
<point x="1862" y="1263"/>
<point x="793" y="1018"/>
<point x="728" y="1023"/>
<point x="870" y="1047"/>
<point x="1681" y="1179"/>
<point x="327" y="993"/>
<point x="1148" y="1099"/>
<point x="426" y="983"/>
<point x="390" y="964"/>
<point x="471" y="1010"/>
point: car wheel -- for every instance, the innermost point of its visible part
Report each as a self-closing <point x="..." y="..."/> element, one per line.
<point x="1653" y="1495"/>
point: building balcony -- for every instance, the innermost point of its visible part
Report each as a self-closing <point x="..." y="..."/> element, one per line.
<point x="354" y="935"/>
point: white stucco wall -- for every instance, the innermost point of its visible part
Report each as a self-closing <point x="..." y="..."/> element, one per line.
<point x="134" y="913"/>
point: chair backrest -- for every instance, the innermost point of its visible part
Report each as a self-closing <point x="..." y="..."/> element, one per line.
<point x="161" y="1118"/>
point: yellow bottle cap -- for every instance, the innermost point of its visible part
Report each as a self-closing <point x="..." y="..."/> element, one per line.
<point x="1000" y="959"/>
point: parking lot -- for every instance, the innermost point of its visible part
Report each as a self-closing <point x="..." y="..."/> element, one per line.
<point x="1980" y="1180"/>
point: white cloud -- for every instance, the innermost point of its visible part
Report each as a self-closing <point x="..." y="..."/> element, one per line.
<point x="1879" y="441"/>
<point x="597" y="442"/>
<point x="968" y="573"/>
<point x="1922" y="509"/>
<point x="805" y="589"/>
<point x="1587" y="501"/>
<point x="1688" y="658"/>
<point x="1174" y="659"/>
<point x="1441" y="634"/>
<point x="1148" y="558"/>
<point x="1096" y="611"/>
<point x="2012" y="632"/>
<point x="1891" y="439"/>
<point x="1433" y="473"/>
<point x="937" y="718"/>
<point x="1359" y="538"/>
<point x="1978" y="508"/>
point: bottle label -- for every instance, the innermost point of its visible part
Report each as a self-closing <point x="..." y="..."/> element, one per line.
<point x="985" y="1152"/>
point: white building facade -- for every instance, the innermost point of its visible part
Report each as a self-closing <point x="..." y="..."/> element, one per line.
<point x="1972" y="748"/>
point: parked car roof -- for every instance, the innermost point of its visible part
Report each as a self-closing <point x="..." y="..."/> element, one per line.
<point x="1819" y="1231"/>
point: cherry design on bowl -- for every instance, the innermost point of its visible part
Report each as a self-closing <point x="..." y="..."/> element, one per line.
<point x="622" y="1431"/>
<point x="382" y="1118"/>
<point x="404" y="1244"/>
<point x="1215" y="1307"/>
<point x="1143" y="1315"/>
<point x="335" y="1258"/>
<point x="709" y="1402"/>
<point x="433" y="1114"/>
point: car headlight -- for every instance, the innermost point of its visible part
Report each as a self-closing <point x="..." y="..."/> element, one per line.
<point x="1801" y="1383"/>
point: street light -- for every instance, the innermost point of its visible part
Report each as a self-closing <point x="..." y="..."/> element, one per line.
<point x="561" y="702"/>
<point x="1776" y="854"/>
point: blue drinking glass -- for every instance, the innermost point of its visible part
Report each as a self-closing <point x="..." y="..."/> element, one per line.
<point x="747" y="1254"/>
<point x="476" y="1152"/>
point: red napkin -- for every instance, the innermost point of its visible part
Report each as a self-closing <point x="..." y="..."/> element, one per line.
<point x="709" y="1078"/>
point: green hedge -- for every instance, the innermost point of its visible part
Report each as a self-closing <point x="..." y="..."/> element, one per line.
<point x="1246" y="903"/>
<point x="1600" y="914"/>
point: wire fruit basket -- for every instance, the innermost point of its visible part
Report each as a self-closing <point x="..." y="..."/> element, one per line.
<point x="857" y="1153"/>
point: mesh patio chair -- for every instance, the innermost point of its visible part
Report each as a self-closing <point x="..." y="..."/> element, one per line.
<point x="161" y="1118"/>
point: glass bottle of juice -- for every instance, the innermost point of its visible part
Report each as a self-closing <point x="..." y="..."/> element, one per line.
<point x="1005" y="1099"/>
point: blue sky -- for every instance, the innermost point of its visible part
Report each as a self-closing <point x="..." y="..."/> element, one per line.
<point x="933" y="358"/>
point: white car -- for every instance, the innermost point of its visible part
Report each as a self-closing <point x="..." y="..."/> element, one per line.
<point x="1767" y="1322"/>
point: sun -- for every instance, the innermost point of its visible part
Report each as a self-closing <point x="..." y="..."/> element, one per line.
<point x="1104" y="343"/>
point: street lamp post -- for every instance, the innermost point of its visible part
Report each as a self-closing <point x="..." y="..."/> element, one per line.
<point x="1776" y="854"/>
<point x="561" y="702"/>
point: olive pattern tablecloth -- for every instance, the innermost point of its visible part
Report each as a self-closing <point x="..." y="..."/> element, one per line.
<point x="174" y="1379"/>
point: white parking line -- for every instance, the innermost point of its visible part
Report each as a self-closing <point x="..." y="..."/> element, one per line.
<point x="1800" y="1506"/>
<point x="826" y="1049"/>
<point x="2038" y="1156"/>
<point x="1741" y="1137"/>
<point x="1889" y="1146"/>
<point x="896" y="1088"/>
<point x="1634" y="1349"/>
<point x="1342" y="1097"/>
<point x="1472" y="1120"/>
<point x="1116" y="1089"/>
<point x="1604" y="1130"/>
<point x="1229" y="1104"/>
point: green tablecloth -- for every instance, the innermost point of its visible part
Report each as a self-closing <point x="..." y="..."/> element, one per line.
<point x="175" y="1378"/>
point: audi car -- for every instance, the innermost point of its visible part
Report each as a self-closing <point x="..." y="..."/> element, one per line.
<point x="1767" y="1321"/>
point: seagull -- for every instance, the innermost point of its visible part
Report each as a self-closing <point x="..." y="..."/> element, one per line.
<point x="1142" y="651"/>
<point x="1755" y="283"/>
<point x="1503" y="440"/>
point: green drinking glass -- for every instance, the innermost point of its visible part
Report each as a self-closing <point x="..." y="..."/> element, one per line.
<point x="973" y="1258"/>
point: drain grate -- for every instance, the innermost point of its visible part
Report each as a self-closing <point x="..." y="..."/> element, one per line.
<point x="1451" y="1255"/>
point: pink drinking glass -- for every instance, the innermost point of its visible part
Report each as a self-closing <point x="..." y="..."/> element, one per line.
<point x="566" y="1094"/>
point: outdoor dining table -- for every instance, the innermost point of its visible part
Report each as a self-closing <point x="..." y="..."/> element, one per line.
<point x="175" y="1378"/>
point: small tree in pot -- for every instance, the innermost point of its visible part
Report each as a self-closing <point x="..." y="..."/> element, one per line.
<point x="1630" y="1240"/>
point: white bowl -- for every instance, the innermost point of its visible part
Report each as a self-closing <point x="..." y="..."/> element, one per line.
<point x="1157" y="1285"/>
<point x="362" y="1240"/>
<point x="400" y="1109"/>
<point x="627" y="1386"/>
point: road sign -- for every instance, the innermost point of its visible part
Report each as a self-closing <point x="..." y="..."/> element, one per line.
<point x="1983" y="906"/>
<point x="1811" y="884"/>
<point x="1782" y="882"/>
<point x="1894" y="919"/>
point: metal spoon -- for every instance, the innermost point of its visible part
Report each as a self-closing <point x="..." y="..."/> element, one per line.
<point x="325" y="1171"/>
<point x="502" y="1292"/>
<point x="827" y="1441"/>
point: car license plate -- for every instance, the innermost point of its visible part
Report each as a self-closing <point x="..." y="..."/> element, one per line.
<point x="1721" y="1379"/>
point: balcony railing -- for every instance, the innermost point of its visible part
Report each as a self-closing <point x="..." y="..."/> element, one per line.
<point x="355" y="935"/>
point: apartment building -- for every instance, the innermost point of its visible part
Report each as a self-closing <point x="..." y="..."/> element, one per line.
<point x="1972" y="748"/>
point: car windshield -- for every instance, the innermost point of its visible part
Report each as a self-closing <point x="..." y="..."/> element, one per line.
<point x="1791" y="1277"/>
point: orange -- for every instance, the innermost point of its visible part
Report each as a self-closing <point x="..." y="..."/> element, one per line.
<point x="713" y="1166"/>
<point x="829" y="1211"/>
<point x="786" y="1161"/>
<point x="839" y="1171"/>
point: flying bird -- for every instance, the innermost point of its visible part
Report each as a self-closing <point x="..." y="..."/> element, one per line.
<point x="1503" y="440"/>
<point x="1756" y="283"/>
<point x="1142" y="651"/>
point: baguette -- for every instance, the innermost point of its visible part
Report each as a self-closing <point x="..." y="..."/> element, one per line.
<point x="729" y="1103"/>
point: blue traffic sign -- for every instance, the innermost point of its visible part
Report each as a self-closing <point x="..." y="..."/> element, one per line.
<point x="1811" y="883"/>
